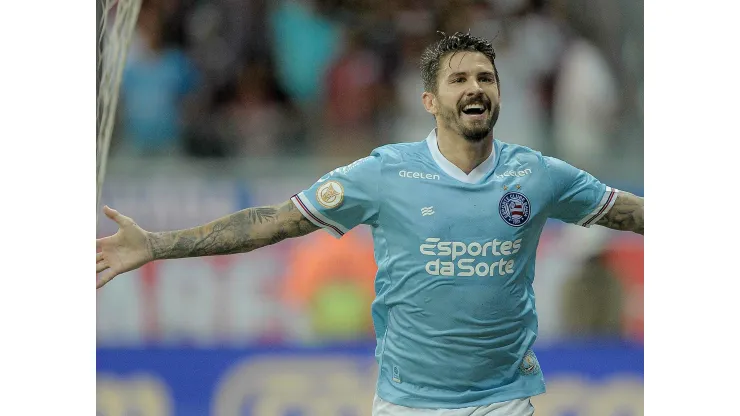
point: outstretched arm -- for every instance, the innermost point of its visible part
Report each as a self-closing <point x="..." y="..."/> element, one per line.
<point x="239" y="232"/>
<point x="246" y="230"/>
<point x="627" y="214"/>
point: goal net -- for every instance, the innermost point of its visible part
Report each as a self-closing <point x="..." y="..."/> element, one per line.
<point x="116" y="23"/>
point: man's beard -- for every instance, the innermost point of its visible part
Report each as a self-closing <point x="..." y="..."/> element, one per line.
<point x="474" y="132"/>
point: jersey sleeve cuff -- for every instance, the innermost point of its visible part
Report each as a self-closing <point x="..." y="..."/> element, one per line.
<point x="312" y="214"/>
<point x="607" y="201"/>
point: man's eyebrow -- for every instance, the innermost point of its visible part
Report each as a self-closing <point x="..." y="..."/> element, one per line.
<point x="459" y="73"/>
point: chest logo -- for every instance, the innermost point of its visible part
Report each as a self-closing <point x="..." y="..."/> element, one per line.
<point x="514" y="208"/>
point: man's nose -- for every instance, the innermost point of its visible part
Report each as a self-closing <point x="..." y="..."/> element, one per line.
<point x="474" y="89"/>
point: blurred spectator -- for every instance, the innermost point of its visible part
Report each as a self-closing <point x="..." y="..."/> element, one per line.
<point x="259" y="120"/>
<point x="413" y="122"/>
<point x="560" y="98"/>
<point x="529" y="43"/>
<point x="627" y="257"/>
<point x="305" y="42"/>
<point x="593" y="299"/>
<point x="225" y="32"/>
<point x="353" y="99"/>
<point x="216" y="54"/>
<point x="157" y="80"/>
<point x="333" y="283"/>
<point x="585" y="107"/>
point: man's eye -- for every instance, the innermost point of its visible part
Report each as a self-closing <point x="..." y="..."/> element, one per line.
<point x="486" y="79"/>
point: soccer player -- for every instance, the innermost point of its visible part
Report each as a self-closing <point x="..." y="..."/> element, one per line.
<point x="455" y="218"/>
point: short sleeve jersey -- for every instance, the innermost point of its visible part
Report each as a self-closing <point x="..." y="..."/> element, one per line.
<point x="454" y="312"/>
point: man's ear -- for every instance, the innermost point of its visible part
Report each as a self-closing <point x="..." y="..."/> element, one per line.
<point x="430" y="102"/>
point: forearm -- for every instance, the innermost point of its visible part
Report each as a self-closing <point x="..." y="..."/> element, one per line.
<point x="627" y="214"/>
<point x="240" y="232"/>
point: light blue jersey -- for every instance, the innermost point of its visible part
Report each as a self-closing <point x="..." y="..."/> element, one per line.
<point x="454" y="315"/>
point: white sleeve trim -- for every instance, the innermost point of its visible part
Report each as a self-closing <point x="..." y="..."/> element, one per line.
<point x="312" y="214"/>
<point x="607" y="201"/>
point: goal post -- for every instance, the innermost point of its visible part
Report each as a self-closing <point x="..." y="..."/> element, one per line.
<point x="116" y="21"/>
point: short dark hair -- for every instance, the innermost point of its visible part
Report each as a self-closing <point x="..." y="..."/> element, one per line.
<point x="433" y="54"/>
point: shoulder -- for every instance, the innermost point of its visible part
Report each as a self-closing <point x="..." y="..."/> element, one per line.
<point x="399" y="152"/>
<point x="518" y="155"/>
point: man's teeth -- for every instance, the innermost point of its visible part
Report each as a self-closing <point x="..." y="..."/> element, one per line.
<point x="473" y="106"/>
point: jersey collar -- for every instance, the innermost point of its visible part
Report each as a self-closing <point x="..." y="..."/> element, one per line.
<point x="449" y="168"/>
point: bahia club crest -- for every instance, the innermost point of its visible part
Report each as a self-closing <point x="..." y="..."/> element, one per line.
<point x="514" y="208"/>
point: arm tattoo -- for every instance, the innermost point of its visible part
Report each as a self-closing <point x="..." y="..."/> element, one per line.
<point x="261" y="215"/>
<point x="626" y="214"/>
<point x="239" y="232"/>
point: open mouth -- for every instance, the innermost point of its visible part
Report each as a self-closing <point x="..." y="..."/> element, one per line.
<point x="474" y="110"/>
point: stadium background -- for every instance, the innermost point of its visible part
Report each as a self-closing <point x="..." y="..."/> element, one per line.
<point x="227" y="104"/>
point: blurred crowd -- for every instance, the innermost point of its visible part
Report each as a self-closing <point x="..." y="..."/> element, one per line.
<point x="252" y="79"/>
<point x="255" y="78"/>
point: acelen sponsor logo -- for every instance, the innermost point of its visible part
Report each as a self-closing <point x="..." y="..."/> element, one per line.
<point x="418" y="175"/>
<point x="514" y="173"/>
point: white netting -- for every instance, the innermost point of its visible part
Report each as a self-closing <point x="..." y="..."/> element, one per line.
<point x="116" y="23"/>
